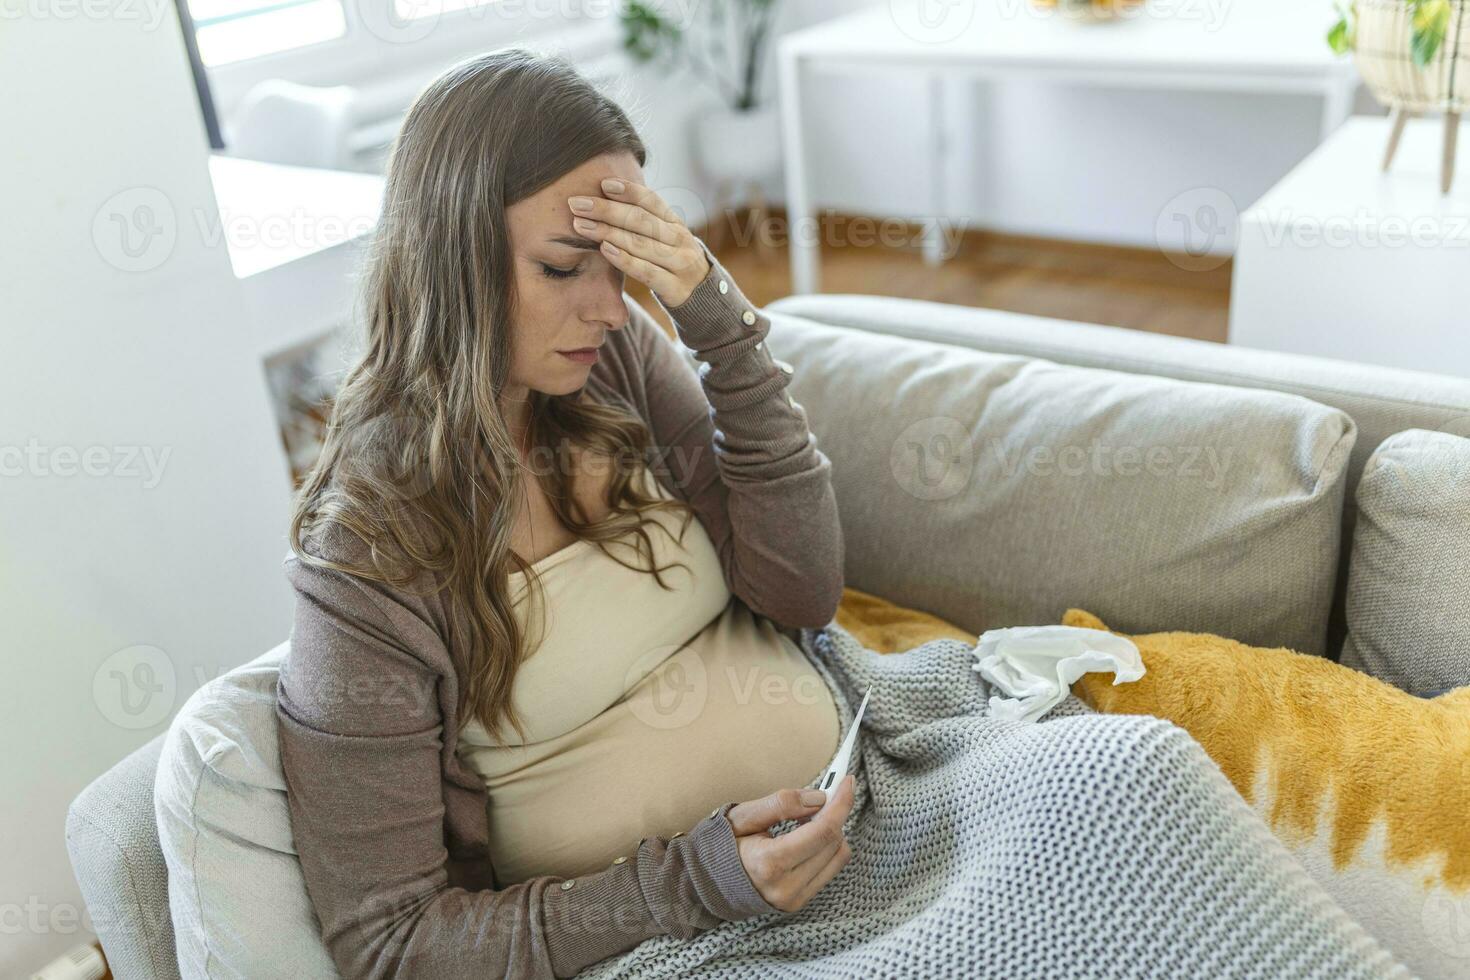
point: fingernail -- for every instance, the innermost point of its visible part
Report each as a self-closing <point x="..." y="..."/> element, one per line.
<point x="613" y="185"/>
<point x="812" y="797"/>
<point x="581" y="203"/>
<point x="584" y="224"/>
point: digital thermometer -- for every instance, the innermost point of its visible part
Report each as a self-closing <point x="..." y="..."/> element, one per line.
<point x="838" y="769"/>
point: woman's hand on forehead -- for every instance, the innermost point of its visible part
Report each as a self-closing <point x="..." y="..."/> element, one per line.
<point x="640" y="234"/>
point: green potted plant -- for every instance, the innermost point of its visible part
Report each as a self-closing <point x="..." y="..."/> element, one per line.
<point x="1414" y="56"/>
<point x="724" y="45"/>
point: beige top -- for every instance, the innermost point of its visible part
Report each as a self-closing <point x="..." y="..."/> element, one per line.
<point x="644" y="707"/>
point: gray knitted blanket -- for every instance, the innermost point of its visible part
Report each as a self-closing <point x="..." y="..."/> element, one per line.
<point x="1084" y="845"/>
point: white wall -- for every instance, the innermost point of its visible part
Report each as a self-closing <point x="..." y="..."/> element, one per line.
<point x="94" y="564"/>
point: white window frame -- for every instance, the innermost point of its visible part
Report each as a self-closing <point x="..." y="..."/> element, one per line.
<point x="362" y="59"/>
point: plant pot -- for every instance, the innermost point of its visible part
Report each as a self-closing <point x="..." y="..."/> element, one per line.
<point x="1382" y="55"/>
<point x="734" y="145"/>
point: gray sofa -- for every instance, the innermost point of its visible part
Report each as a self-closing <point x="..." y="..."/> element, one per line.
<point x="111" y="834"/>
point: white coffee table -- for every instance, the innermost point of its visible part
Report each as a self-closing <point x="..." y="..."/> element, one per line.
<point x="1259" y="46"/>
<point x="1343" y="260"/>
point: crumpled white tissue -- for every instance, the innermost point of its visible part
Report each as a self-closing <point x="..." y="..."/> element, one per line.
<point x="1036" y="665"/>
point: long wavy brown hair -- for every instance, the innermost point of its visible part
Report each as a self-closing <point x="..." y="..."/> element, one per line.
<point x="418" y="462"/>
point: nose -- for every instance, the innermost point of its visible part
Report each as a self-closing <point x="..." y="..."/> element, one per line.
<point x="606" y="305"/>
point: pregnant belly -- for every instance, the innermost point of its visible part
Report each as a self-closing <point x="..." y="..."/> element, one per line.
<point x="719" y="720"/>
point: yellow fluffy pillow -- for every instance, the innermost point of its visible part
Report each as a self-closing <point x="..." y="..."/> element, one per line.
<point x="1367" y="785"/>
<point x="886" y="627"/>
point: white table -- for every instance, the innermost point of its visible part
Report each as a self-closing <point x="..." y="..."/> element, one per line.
<point x="295" y="237"/>
<point x="1259" y="46"/>
<point x="1343" y="260"/>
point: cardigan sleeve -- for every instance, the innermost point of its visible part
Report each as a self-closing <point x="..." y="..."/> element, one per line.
<point x="360" y="729"/>
<point x="739" y="450"/>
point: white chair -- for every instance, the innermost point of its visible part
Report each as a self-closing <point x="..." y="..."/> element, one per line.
<point x="301" y="125"/>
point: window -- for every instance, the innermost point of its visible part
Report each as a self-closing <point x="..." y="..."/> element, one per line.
<point x="233" y="30"/>
<point x="412" y="9"/>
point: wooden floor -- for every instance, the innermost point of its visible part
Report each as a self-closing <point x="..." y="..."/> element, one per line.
<point x="1124" y="287"/>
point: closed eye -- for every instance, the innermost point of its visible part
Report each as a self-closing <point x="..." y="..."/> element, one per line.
<point x="552" y="272"/>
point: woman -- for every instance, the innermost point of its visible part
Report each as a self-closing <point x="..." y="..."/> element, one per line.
<point x="522" y="674"/>
<point x="460" y="807"/>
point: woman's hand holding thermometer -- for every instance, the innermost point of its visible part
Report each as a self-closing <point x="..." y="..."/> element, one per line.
<point x="789" y="869"/>
<point x="843" y="759"/>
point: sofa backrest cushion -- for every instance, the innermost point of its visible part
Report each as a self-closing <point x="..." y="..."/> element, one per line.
<point x="1408" y="601"/>
<point x="996" y="490"/>
<point x="1380" y="400"/>
<point x="236" y="892"/>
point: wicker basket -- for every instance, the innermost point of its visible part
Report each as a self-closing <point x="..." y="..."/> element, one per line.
<point x="1382" y="55"/>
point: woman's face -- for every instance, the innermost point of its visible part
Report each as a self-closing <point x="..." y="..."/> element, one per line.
<point x="569" y="295"/>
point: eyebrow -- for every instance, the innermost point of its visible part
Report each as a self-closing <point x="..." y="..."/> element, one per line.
<point x="574" y="241"/>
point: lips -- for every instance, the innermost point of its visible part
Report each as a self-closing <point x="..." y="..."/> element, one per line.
<point x="584" y="355"/>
